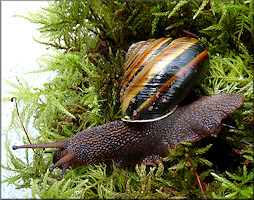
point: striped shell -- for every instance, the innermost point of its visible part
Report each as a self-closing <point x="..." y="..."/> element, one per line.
<point x="159" y="74"/>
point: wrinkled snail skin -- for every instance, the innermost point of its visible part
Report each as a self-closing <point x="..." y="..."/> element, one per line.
<point x="159" y="74"/>
<point x="130" y="143"/>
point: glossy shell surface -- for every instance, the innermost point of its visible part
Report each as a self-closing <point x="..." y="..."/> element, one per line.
<point x="159" y="74"/>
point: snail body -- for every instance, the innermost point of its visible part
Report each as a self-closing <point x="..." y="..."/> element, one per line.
<point x="145" y="134"/>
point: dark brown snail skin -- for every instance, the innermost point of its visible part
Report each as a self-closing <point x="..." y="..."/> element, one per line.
<point x="143" y="142"/>
<point x="159" y="74"/>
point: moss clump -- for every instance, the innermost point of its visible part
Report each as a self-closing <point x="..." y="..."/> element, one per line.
<point x="91" y="38"/>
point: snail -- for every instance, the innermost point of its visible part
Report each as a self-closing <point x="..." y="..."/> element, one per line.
<point x="159" y="74"/>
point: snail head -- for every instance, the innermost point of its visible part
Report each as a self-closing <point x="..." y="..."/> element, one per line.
<point x="61" y="158"/>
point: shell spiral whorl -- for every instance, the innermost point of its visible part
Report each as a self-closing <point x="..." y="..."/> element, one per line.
<point x="159" y="74"/>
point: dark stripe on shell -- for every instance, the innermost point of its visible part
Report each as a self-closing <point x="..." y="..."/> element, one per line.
<point x="145" y="63"/>
<point x="140" y="59"/>
<point x="163" y="101"/>
<point x="174" y="90"/>
<point x="174" y="49"/>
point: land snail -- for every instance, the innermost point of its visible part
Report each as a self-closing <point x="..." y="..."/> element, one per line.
<point x="159" y="74"/>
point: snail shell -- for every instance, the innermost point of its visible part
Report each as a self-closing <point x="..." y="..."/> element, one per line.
<point x="159" y="74"/>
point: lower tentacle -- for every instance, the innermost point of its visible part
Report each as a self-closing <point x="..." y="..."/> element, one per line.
<point x="62" y="162"/>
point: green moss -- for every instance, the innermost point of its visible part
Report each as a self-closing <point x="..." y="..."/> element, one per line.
<point x="238" y="188"/>
<point x="78" y="30"/>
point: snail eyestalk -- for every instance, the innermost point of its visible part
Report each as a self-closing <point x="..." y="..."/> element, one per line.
<point x="42" y="145"/>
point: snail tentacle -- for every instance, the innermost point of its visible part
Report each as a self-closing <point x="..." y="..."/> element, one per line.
<point x="42" y="145"/>
<point x="63" y="162"/>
